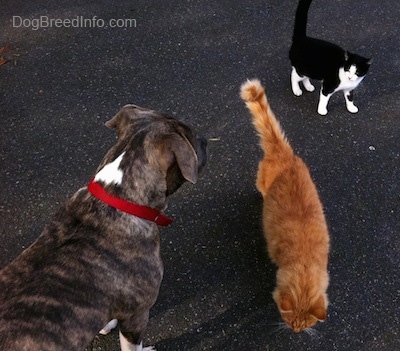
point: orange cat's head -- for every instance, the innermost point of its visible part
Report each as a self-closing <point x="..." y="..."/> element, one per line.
<point x="301" y="315"/>
<point x="301" y="297"/>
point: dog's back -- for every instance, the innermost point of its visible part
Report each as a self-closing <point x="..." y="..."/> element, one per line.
<point x="48" y="290"/>
<point x="65" y="287"/>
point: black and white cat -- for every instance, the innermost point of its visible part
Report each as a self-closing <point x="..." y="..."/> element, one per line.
<point x="311" y="58"/>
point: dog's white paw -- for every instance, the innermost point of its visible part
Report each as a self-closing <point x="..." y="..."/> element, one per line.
<point x="149" y="348"/>
<point x="110" y="325"/>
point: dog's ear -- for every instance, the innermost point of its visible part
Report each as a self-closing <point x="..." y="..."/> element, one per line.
<point x="183" y="152"/>
<point x="122" y="119"/>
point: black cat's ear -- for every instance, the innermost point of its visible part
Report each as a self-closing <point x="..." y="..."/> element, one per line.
<point x="369" y="61"/>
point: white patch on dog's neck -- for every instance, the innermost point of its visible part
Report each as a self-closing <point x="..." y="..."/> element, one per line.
<point x="111" y="173"/>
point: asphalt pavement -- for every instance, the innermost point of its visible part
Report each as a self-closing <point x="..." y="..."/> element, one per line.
<point x="64" y="79"/>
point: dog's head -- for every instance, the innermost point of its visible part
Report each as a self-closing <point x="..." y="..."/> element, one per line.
<point x="154" y="155"/>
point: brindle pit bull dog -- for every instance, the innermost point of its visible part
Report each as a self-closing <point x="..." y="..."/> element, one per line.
<point x="99" y="259"/>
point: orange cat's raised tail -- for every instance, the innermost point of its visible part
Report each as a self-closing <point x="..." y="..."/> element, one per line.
<point x="273" y="142"/>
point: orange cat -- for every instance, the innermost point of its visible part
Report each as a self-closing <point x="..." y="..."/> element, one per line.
<point x="293" y="220"/>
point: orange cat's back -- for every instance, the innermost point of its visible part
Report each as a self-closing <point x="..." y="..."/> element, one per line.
<point x="293" y="219"/>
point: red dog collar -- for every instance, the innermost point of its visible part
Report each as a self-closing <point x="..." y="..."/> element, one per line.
<point x="144" y="212"/>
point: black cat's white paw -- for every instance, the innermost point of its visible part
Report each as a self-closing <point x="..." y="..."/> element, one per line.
<point x="323" y="111"/>
<point x="297" y="91"/>
<point x="352" y="108"/>
<point x="308" y="86"/>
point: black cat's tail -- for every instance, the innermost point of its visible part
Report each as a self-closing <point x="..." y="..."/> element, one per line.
<point x="300" y="22"/>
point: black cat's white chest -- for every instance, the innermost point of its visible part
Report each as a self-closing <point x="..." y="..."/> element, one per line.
<point x="348" y="80"/>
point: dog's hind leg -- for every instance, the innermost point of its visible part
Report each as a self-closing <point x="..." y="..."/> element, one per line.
<point x="131" y="333"/>
<point x="128" y="346"/>
<point x="110" y="325"/>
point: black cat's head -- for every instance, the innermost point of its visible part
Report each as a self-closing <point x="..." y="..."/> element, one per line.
<point x="356" y="66"/>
